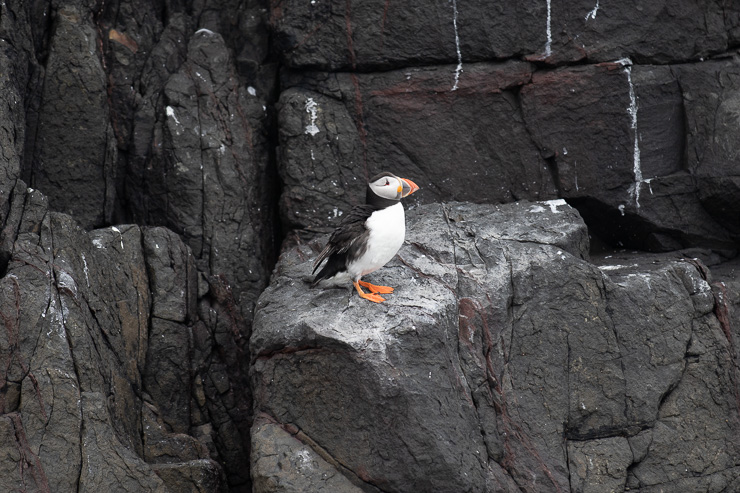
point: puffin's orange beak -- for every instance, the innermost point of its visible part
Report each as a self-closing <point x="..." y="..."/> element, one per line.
<point x="408" y="186"/>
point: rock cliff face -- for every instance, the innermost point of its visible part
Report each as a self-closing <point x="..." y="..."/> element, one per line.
<point x="504" y="361"/>
<point x="568" y="299"/>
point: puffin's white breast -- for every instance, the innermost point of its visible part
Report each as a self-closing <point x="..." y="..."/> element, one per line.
<point x="387" y="228"/>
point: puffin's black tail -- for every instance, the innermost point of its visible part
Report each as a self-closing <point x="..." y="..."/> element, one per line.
<point x="333" y="266"/>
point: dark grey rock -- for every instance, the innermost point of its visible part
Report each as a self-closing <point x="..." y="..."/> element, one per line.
<point x="197" y="476"/>
<point x="679" y="32"/>
<point x="633" y="147"/>
<point x="222" y="409"/>
<point x="599" y="465"/>
<point x="58" y="336"/>
<point x="18" y="77"/>
<point x="75" y="151"/>
<point x="164" y="447"/>
<point x="726" y="288"/>
<point x="337" y="130"/>
<point x="710" y="100"/>
<point x="124" y="351"/>
<point x="103" y="456"/>
<point x="167" y="375"/>
<point x="369" y="35"/>
<point x="630" y="184"/>
<point x="211" y="167"/>
<point x="282" y="463"/>
<point x="75" y="311"/>
<point x="172" y="275"/>
<point x="502" y="357"/>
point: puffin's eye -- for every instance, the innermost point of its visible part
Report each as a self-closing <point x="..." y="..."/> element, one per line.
<point x="387" y="182"/>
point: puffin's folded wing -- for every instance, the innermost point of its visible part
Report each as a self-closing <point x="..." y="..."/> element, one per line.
<point x="347" y="233"/>
<point x="325" y="253"/>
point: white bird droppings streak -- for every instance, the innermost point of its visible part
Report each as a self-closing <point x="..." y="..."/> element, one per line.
<point x="87" y="272"/>
<point x="554" y="205"/>
<point x="592" y="15"/>
<point x="312" y="110"/>
<point x="632" y="111"/>
<point x="457" y="46"/>
<point x="171" y="113"/>
<point x="548" y="44"/>
<point x="119" y="234"/>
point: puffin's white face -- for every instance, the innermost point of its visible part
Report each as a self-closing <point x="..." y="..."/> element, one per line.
<point x="391" y="187"/>
<point x="388" y="186"/>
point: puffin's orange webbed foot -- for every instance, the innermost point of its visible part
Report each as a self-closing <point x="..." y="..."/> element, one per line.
<point x="376" y="289"/>
<point x="368" y="296"/>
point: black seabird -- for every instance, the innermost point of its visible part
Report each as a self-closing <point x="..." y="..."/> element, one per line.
<point x="369" y="236"/>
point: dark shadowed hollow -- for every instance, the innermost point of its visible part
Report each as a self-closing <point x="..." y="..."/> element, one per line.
<point x="567" y="306"/>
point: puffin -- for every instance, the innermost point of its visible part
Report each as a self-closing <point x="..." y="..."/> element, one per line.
<point x="368" y="237"/>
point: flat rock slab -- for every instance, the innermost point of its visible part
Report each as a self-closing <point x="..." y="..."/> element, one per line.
<point x="503" y="360"/>
<point x="369" y="34"/>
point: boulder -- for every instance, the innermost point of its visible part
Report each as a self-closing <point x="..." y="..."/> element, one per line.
<point x="504" y="357"/>
<point x="77" y="327"/>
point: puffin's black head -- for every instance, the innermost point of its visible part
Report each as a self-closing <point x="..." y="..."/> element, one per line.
<point x="386" y="189"/>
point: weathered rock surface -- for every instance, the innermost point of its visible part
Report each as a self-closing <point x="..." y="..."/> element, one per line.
<point x="368" y="34"/>
<point x="75" y="169"/>
<point x="338" y="130"/>
<point x="82" y="347"/>
<point x="171" y="146"/>
<point x="155" y="114"/>
<point x="504" y="360"/>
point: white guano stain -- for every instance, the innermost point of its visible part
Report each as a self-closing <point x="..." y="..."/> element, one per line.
<point x="459" y="68"/>
<point x="312" y="109"/>
<point x="575" y="174"/>
<point x="171" y="113"/>
<point x="548" y="44"/>
<point x="615" y="266"/>
<point x="119" y="234"/>
<point x="554" y="205"/>
<point x="178" y="126"/>
<point x="85" y="270"/>
<point x="592" y="15"/>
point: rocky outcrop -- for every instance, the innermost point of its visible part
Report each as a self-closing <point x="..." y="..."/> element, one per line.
<point x="85" y="318"/>
<point x="641" y="151"/>
<point x="504" y="361"/>
<point x="140" y="114"/>
<point x="157" y="157"/>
